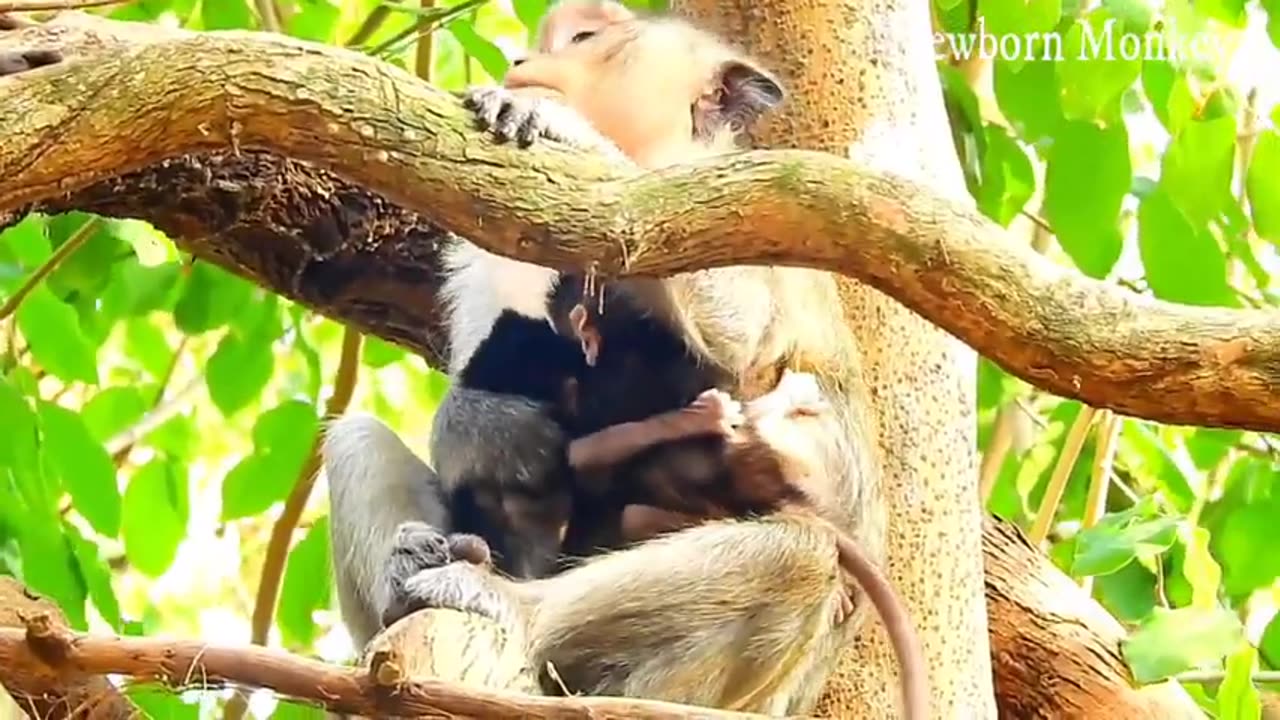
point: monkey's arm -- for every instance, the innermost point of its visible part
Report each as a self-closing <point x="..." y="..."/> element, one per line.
<point x="712" y="413"/>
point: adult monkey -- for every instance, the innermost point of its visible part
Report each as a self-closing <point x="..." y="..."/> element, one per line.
<point x="734" y="615"/>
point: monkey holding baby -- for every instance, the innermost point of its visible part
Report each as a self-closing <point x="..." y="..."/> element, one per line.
<point x="569" y="430"/>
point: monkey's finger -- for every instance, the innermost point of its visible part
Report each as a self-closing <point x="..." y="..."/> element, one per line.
<point x="512" y="119"/>
<point x="486" y="106"/>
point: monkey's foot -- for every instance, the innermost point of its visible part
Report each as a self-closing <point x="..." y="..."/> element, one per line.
<point x="17" y="61"/>
<point x="427" y="568"/>
<point x="844" y="605"/>
<point x="524" y="119"/>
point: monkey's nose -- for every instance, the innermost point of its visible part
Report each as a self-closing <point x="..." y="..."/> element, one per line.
<point x="517" y="61"/>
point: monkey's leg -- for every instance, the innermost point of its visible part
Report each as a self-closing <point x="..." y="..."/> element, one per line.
<point x="733" y="615"/>
<point x="509" y="455"/>
<point x="375" y="484"/>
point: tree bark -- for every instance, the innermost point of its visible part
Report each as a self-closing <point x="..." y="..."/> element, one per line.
<point x="863" y="86"/>
<point x="74" y="694"/>
<point x="103" y="135"/>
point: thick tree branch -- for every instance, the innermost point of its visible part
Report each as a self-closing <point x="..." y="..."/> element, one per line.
<point x="76" y="132"/>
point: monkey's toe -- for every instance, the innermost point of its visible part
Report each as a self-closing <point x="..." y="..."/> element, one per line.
<point x="19" y="61"/>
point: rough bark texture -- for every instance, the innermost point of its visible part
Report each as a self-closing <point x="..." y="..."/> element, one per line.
<point x="97" y="134"/>
<point x="863" y="85"/>
<point x="58" y="673"/>
<point x="70" y="694"/>
<point x="1056" y="651"/>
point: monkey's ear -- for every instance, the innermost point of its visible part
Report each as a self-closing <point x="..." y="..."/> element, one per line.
<point x="747" y="92"/>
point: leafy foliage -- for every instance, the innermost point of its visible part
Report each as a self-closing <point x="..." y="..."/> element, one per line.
<point x="1159" y="172"/>
<point x="158" y="410"/>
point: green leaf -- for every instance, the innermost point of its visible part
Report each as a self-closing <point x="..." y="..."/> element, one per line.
<point x="1244" y="544"/>
<point x="57" y="343"/>
<point x="1028" y="97"/>
<point x="1202" y="572"/>
<point x="159" y="703"/>
<point x="19" y="448"/>
<point x="1237" y="697"/>
<point x="1263" y="185"/>
<point x="1208" y="446"/>
<point x="212" y="297"/>
<point x="1095" y="68"/>
<point x="1183" y="262"/>
<point x="1197" y="167"/>
<point x="137" y="290"/>
<point x="49" y="567"/>
<point x="490" y="56"/>
<point x="300" y="594"/>
<point x="1086" y="180"/>
<point x="83" y="465"/>
<point x="155" y="516"/>
<point x="1120" y="538"/>
<point x="378" y="353"/>
<point x="1007" y="178"/>
<point x="1269" y="644"/>
<point x="238" y="371"/>
<point x="97" y="577"/>
<point x="530" y="13"/>
<point x="146" y="344"/>
<point x="295" y="711"/>
<point x="315" y="20"/>
<point x="113" y="410"/>
<point x="1129" y="593"/>
<point x="1230" y="12"/>
<point x="282" y="439"/>
<point x="29" y="241"/>
<point x="226" y="15"/>
<point x="1174" y="641"/>
<point x="87" y="270"/>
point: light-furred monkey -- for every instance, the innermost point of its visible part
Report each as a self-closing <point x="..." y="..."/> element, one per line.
<point x="734" y="614"/>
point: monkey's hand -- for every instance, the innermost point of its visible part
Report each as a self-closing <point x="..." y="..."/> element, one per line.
<point x="511" y="116"/>
<point x="428" y="568"/>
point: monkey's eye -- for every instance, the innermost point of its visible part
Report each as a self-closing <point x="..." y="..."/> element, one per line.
<point x="583" y="36"/>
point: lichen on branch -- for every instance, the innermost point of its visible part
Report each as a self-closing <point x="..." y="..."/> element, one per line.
<point x="386" y="137"/>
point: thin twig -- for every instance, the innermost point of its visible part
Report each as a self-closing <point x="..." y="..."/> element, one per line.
<point x="376" y="17"/>
<point x="269" y="14"/>
<point x="1061" y="473"/>
<point x="39" y="5"/>
<point x="73" y="243"/>
<point x="997" y="450"/>
<point x="1104" y="456"/>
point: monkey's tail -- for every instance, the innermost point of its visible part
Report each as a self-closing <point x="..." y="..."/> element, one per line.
<point x="902" y="634"/>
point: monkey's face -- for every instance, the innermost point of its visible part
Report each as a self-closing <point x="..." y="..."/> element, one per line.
<point x="657" y="88"/>
<point x="570" y="22"/>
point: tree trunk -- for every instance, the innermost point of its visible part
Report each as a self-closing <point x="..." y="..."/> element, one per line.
<point x="863" y="84"/>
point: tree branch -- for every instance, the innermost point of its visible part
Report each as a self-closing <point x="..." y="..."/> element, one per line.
<point x="79" y="133"/>
<point x="35" y="659"/>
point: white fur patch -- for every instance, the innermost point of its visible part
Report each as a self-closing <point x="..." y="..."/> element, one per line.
<point x="479" y="286"/>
